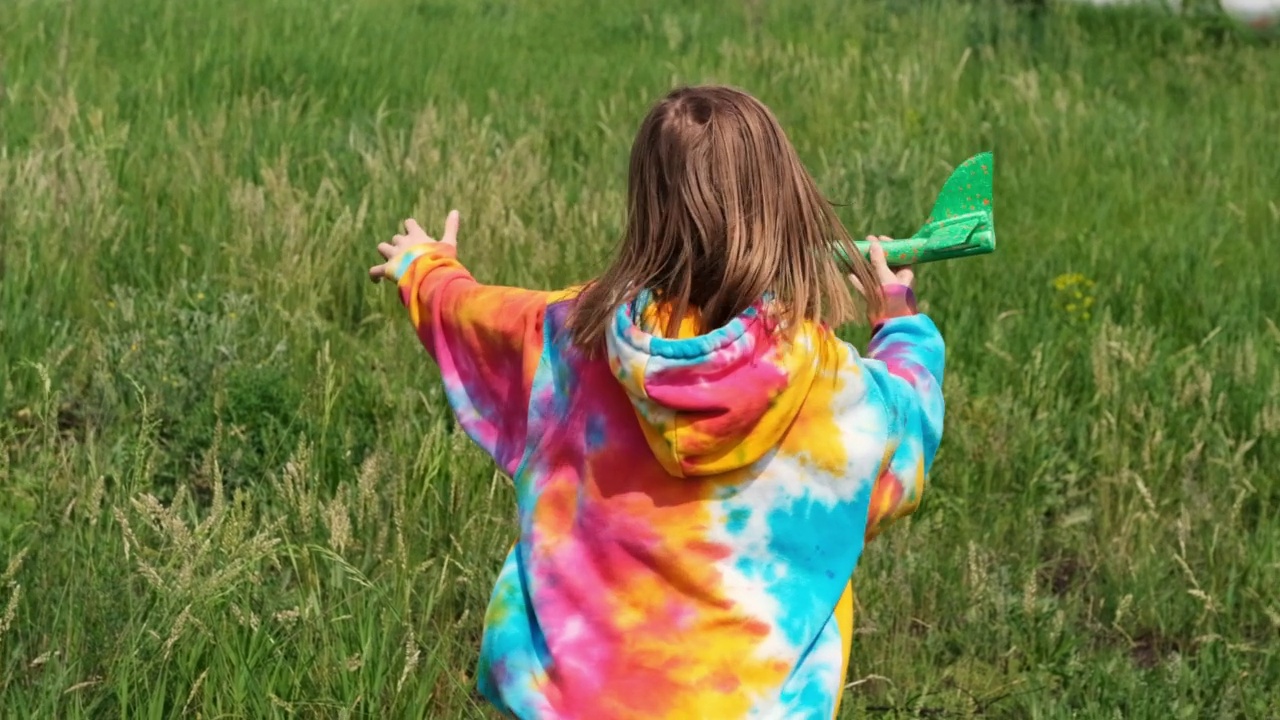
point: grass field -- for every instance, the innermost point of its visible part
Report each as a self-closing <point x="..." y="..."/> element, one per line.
<point x="230" y="486"/>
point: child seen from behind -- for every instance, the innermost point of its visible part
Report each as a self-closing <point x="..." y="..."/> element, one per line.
<point x="697" y="458"/>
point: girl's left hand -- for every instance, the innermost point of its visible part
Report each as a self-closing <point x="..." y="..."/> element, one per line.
<point x="414" y="235"/>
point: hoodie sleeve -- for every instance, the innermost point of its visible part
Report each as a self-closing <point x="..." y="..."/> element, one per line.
<point x="486" y="341"/>
<point x="905" y="360"/>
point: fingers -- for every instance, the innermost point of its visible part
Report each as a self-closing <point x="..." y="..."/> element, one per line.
<point x="857" y="284"/>
<point x="413" y="235"/>
<point x="879" y="263"/>
<point x="413" y="229"/>
<point x="451" y="229"/>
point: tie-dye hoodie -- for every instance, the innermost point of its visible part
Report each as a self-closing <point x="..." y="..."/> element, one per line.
<point x="691" y="510"/>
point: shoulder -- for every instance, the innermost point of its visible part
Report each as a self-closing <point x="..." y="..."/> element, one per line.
<point x="564" y="296"/>
<point x="559" y="305"/>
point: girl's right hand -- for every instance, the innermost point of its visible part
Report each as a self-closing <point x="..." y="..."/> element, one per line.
<point x="895" y="285"/>
<point x="886" y="275"/>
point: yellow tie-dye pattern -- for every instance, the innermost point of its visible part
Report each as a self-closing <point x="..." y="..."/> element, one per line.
<point x="814" y="437"/>
<point x="720" y="675"/>
<point x="420" y="261"/>
<point x="916" y="493"/>
<point x="845" y="623"/>
<point x="656" y="316"/>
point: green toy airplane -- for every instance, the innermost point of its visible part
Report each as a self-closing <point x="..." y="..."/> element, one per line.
<point x="960" y="225"/>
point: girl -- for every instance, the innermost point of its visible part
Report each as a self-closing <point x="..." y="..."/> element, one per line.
<point x="697" y="458"/>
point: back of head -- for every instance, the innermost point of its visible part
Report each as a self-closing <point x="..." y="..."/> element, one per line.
<point x="721" y="211"/>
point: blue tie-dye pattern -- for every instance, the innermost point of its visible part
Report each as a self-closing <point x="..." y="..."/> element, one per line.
<point x="832" y="539"/>
<point x="736" y="520"/>
<point x="512" y="646"/>
<point x="668" y="353"/>
<point x="916" y="348"/>
<point x="807" y="693"/>
<point x="595" y="432"/>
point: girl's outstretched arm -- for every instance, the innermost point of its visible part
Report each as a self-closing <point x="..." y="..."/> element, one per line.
<point x="905" y="365"/>
<point x="905" y="360"/>
<point x="485" y="339"/>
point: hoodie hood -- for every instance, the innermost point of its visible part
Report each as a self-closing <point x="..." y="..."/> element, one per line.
<point x="715" y="402"/>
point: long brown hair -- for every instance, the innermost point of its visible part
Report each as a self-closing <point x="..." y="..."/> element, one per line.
<point x="720" y="211"/>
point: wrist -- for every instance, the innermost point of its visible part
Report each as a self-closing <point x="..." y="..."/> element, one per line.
<point x="899" y="301"/>
<point x="399" y="265"/>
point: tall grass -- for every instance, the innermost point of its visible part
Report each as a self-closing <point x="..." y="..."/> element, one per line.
<point x="231" y="485"/>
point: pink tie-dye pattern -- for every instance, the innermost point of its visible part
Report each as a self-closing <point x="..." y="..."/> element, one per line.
<point x="486" y="340"/>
